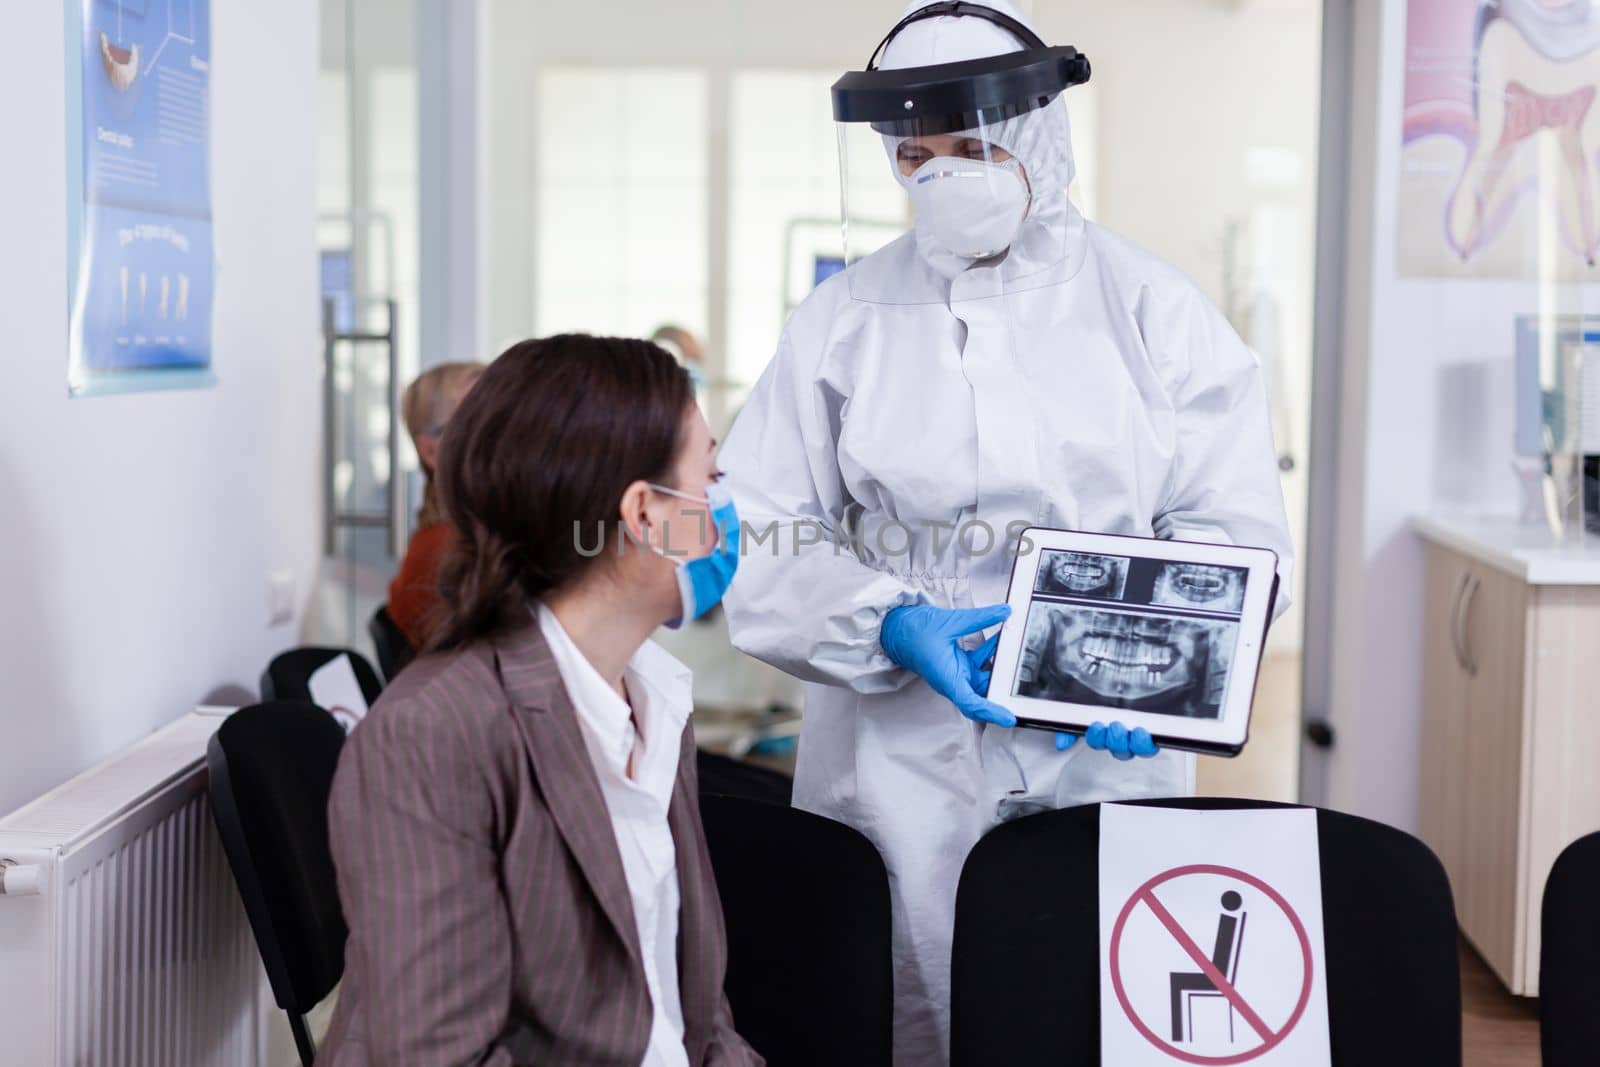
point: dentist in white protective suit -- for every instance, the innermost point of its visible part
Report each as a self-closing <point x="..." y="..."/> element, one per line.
<point x="1005" y="364"/>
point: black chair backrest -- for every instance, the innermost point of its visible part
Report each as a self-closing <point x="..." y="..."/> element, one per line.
<point x="724" y="776"/>
<point x="1027" y="923"/>
<point x="271" y="770"/>
<point x="1569" y="957"/>
<point x="288" y="676"/>
<point x="806" y="905"/>
<point x="394" y="651"/>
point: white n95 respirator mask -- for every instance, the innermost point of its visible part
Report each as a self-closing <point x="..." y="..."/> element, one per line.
<point x="971" y="207"/>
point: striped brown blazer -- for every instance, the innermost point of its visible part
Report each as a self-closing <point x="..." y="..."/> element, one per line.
<point x="490" y="921"/>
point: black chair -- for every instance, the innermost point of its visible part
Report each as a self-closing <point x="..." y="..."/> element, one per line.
<point x="1569" y="960"/>
<point x="288" y="676"/>
<point x="806" y="905"/>
<point x="394" y="651"/>
<point x="1025" y="977"/>
<point x="271" y="770"/>
<point x="724" y="776"/>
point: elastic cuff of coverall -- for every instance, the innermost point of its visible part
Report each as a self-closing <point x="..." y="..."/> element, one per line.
<point x="882" y="674"/>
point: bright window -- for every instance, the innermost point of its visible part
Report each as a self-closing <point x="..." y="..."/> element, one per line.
<point x="621" y="200"/>
<point x="784" y="204"/>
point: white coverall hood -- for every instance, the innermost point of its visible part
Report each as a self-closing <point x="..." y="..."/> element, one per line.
<point x="1040" y="139"/>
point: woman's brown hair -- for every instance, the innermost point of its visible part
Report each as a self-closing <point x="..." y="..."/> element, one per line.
<point x="538" y="455"/>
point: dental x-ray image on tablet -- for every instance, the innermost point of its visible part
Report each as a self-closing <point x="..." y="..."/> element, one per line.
<point x="1199" y="585"/>
<point x="1161" y="634"/>
<point x="1083" y="574"/>
<point x="1116" y="659"/>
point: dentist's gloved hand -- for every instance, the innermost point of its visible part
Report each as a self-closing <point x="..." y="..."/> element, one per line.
<point x="924" y="639"/>
<point x="1117" y="739"/>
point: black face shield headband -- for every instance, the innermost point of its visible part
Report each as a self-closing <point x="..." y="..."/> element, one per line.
<point x="950" y="97"/>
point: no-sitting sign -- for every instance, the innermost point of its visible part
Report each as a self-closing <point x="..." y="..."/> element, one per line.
<point x="1211" y="938"/>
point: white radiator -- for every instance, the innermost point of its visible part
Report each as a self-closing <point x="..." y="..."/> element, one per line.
<point x="122" y="939"/>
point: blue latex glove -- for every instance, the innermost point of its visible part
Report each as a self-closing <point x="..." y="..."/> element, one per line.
<point x="925" y="639"/>
<point x="1117" y="739"/>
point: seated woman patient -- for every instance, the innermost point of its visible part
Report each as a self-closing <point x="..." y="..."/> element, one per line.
<point x="427" y="406"/>
<point x="515" y="824"/>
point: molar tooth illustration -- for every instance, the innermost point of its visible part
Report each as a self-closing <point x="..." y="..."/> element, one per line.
<point x="1537" y="77"/>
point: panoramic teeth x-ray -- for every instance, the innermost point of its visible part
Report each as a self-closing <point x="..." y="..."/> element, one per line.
<point x="1170" y="666"/>
<point x="1199" y="585"/>
<point x="1085" y="574"/>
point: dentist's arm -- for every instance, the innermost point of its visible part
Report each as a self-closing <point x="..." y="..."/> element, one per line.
<point x="802" y="600"/>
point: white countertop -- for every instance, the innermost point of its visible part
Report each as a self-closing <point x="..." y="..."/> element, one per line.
<point x="1532" y="553"/>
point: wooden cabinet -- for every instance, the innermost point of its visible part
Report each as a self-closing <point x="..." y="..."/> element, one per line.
<point x="1510" y="769"/>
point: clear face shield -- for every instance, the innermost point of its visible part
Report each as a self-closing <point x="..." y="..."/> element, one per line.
<point x="948" y="147"/>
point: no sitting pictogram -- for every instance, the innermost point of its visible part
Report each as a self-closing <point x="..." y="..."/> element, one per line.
<point x="1215" y="975"/>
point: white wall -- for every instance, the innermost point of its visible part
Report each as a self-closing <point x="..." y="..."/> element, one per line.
<point x="1186" y="88"/>
<point x="137" y="533"/>
<point x="1427" y="426"/>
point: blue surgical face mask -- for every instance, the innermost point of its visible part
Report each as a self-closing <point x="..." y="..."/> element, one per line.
<point x="703" y="581"/>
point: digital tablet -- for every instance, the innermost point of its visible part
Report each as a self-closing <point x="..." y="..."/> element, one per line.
<point x="1161" y="634"/>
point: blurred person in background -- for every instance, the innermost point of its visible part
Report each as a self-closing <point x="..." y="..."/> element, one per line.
<point x="426" y="407"/>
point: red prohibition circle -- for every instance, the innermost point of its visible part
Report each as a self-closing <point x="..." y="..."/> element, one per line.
<point x="1133" y="1016"/>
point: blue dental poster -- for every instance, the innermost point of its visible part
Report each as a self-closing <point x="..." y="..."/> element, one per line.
<point x="140" y="259"/>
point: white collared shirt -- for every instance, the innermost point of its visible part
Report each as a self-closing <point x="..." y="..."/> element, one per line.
<point x="659" y="688"/>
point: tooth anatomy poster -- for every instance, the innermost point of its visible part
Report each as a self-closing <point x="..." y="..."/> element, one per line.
<point x="140" y="258"/>
<point x="1500" y="170"/>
